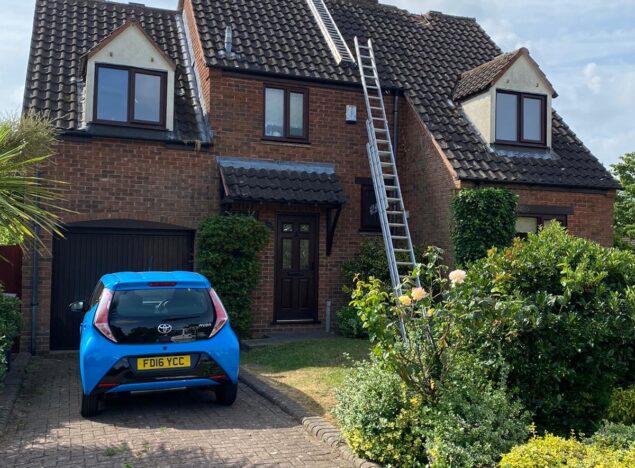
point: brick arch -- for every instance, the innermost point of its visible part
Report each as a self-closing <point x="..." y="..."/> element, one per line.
<point x="171" y="220"/>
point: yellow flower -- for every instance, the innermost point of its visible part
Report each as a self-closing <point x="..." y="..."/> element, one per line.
<point x="457" y="276"/>
<point x="430" y="312"/>
<point x="418" y="293"/>
<point x="405" y="300"/>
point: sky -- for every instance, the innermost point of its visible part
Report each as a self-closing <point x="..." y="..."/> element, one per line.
<point x="585" y="47"/>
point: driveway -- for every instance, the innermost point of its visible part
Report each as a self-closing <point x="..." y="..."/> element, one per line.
<point x="169" y="430"/>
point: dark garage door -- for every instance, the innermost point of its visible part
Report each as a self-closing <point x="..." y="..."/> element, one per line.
<point x="85" y="254"/>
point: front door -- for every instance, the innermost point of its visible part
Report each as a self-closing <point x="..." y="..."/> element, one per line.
<point x="296" y="269"/>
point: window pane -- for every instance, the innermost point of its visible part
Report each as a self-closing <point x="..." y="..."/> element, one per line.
<point x="525" y="224"/>
<point x="287" y="227"/>
<point x="304" y="254"/>
<point x="147" y="98"/>
<point x="532" y="122"/>
<point x="287" y="245"/>
<point x="370" y="211"/>
<point x="112" y="94"/>
<point x="274" y="112"/>
<point x="296" y="114"/>
<point x="304" y="228"/>
<point x="506" y="117"/>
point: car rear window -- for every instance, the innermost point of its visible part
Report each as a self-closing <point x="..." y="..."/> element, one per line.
<point x="162" y="304"/>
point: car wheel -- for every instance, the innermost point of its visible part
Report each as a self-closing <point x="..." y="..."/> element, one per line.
<point x="226" y="394"/>
<point x="90" y="405"/>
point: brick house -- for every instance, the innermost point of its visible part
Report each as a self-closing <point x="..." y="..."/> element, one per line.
<point x="167" y="117"/>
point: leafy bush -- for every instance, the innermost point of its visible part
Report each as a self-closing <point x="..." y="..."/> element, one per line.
<point x="10" y="324"/>
<point x="558" y="313"/>
<point x="433" y="406"/>
<point x="370" y="261"/>
<point x="622" y="406"/>
<point x="227" y="254"/>
<point x="615" y="436"/>
<point x="349" y="324"/>
<point x="554" y="451"/>
<point x="483" y="218"/>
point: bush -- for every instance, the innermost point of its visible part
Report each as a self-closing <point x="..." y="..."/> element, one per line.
<point x="558" y="313"/>
<point x="622" y="406"/>
<point x="553" y="451"/>
<point x="349" y="324"/>
<point x="370" y="261"/>
<point x="483" y="218"/>
<point x="10" y="324"/>
<point x="227" y="254"/>
<point x="615" y="436"/>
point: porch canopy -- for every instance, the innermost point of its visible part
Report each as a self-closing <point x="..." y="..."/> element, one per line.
<point x="286" y="182"/>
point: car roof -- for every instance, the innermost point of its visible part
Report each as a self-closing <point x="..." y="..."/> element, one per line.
<point x="141" y="280"/>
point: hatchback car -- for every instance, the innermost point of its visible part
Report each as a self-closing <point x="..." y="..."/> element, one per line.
<point x="155" y="331"/>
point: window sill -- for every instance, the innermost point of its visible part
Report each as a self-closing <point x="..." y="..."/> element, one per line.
<point x="514" y="144"/>
<point x="300" y="144"/>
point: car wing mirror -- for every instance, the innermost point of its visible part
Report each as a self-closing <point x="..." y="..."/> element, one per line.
<point x="76" y="306"/>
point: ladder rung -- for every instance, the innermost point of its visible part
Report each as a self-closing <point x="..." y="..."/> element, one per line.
<point x="405" y="263"/>
<point x="375" y="108"/>
<point x="385" y="152"/>
<point x="391" y="199"/>
<point x="399" y="237"/>
<point x="394" y="212"/>
<point x="385" y="164"/>
<point x="389" y="176"/>
<point x="401" y="250"/>
<point x="396" y="224"/>
<point x="382" y="130"/>
<point x="374" y="97"/>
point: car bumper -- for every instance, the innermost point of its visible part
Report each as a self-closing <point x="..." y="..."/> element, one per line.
<point x="107" y="367"/>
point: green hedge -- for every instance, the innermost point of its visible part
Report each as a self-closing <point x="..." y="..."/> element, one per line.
<point x="227" y="254"/>
<point x="483" y="218"/>
<point x="10" y="324"/>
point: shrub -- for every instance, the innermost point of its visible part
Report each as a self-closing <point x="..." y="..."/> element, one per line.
<point x="622" y="406"/>
<point x="10" y="324"/>
<point x="554" y="451"/>
<point x="483" y="218"/>
<point x="370" y="261"/>
<point x="615" y="436"/>
<point x="558" y="312"/>
<point x="349" y="324"/>
<point x="227" y="254"/>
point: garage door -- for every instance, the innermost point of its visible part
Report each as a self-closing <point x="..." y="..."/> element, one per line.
<point x="86" y="253"/>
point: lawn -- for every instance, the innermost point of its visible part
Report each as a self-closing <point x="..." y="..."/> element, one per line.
<point x="307" y="371"/>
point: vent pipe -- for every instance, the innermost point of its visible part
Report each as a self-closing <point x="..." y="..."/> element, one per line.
<point x="229" y="38"/>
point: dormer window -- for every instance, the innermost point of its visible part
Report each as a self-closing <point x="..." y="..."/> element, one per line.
<point x="130" y="96"/>
<point x="521" y="118"/>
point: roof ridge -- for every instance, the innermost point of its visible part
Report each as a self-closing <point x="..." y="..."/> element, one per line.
<point x="498" y="57"/>
<point x="131" y="5"/>
<point x="471" y="19"/>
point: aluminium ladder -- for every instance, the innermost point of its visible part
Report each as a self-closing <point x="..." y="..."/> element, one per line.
<point x="381" y="156"/>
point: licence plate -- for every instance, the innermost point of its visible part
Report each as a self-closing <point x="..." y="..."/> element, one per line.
<point x="163" y="362"/>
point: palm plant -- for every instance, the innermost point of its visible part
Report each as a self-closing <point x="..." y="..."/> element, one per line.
<point x="27" y="202"/>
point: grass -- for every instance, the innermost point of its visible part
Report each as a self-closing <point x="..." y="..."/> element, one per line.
<point x="307" y="371"/>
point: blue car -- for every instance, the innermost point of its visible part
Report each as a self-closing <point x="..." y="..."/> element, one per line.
<point x="155" y="331"/>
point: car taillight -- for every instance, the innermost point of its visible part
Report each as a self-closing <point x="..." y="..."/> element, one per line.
<point x="101" y="315"/>
<point x="221" y="313"/>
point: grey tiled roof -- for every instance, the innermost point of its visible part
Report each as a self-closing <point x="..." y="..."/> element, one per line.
<point x="64" y="30"/>
<point x="257" y="180"/>
<point x="424" y="55"/>
<point x="482" y="77"/>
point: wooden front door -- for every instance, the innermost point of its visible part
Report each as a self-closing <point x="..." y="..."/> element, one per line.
<point x="296" y="268"/>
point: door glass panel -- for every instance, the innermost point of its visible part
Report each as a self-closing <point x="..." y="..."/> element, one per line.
<point x="304" y="228"/>
<point x="506" y="117"/>
<point x="274" y="112"/>
<point x="112" y="94"/>
<point x="287" y="246"/>
<point x="304" y="254"/>
<point x="147" y="97"/>
<point x="532" y="122"/>
<point x="296" y="114"/>
<point x="287" y="227"/>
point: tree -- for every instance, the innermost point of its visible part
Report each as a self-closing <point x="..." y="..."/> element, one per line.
<point x="26" y="200"/>
<point x="625" y="203"/>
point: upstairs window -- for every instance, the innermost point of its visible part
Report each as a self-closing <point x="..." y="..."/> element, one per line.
<point x="521" y="118"/>
<point x="286" y="114"/>
<point x="129" y="96"/>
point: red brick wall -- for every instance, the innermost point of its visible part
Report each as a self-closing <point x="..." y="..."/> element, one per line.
<point x="199" y="56"/>
<point x="118" y="179"/>
<point x="427" y="180"/>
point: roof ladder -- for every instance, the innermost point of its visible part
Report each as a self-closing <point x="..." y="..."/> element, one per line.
<point x="383" y="168"/>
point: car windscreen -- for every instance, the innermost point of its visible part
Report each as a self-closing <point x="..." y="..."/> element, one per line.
<point x="163" y="304"/>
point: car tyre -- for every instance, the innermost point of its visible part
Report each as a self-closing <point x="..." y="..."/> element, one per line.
<point x="226" y="394"/>
<point x="90" y="405"/>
